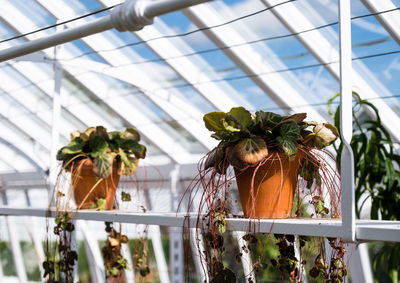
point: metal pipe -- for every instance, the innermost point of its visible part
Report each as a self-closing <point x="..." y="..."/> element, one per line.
<point x="131" y="15"/>
<point x="163" y="7"/>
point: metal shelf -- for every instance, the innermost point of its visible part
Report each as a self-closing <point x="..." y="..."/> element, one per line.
<point x="366" y="230"/>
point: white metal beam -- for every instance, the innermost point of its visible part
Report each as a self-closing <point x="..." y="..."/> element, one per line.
<point x="366" y="230"/>
<point x="346" y="123"/>
<point x="390" y="21"/>
<point x="250" y="61"/>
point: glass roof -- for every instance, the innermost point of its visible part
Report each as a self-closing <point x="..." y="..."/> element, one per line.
<point x="163" y="78"/>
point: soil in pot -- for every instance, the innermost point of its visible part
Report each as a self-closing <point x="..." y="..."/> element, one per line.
<point x="271" y="195"/>
<point x="88" y="188"/>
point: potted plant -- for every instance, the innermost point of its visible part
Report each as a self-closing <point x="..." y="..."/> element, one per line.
<point x="276" y="161"/>
<point x="96" y="158"/>
<point x="268" y="152"/>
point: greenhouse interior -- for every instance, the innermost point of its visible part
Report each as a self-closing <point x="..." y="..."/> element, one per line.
<point x="199" y="141"/>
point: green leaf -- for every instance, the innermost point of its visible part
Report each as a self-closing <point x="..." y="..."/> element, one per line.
<point x="87" y="134"/>
<point x="98" y="146"/>
<point x="267" y="120"/>
<point x="102" y="165"/>
<point x="214" y="121"/>
<point x="75" y="134"/>
<point x="297" y="118"/>
<point x="75" y="146"/>
<point x="325" y="134"/>
<point x="134" y="147"/>
<point x="130" y="167"/>
<point x="249" y="151"/>
<point x="241" y="116"/>
<point x="231" y="129"/>
<point x="290" y="131"/>
<point x="131" y="134"/>
<point x="126" y="196"/>
<point x="288" y="146"/>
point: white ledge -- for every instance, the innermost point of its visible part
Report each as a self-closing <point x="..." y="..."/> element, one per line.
<point x="366" y="230"/>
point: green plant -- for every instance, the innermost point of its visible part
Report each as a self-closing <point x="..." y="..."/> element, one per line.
<point x="114" y="262"/>
<point x="60" y="260"/>
<point x="246" y="139"/>
<point x="250" y="140"/>
<point x="376" y="173"/>
<point x="103" y="148"/>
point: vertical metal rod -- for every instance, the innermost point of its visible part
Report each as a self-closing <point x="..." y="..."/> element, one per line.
<point x="346" y="122"/>
<point x="93" y="253"/>
<point x="197" y="248"/>
<point x="15" y="245"/>
<point x="247" y="263"/>
<point x="159" y="253"/>
<point x="32" y="231"/>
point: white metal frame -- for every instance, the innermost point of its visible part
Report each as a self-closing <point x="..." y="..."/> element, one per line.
<point x="348" y="227"/>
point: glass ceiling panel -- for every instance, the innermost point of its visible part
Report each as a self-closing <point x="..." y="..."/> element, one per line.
<point x="220" y="68"/>
<point x="315" y="84"/>
<point x="370" y="42"/>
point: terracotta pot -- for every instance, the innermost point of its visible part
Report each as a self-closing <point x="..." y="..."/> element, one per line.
<point x="274" y="186"/>
<point x="83" y="181"/>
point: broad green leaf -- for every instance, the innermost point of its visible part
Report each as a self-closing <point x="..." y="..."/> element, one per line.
<point x="232" y="129"/>
<point x="115" y="135"/>
<point x="98" y="146"/>
<point x="86" y="135"/>
<point x="326" y="132"/>
<point x="131" y="134"/>
<point x="102" y="132"/>
<point x="250" y="151"/>
<point x="297" y="118"/>
<point x="126" y="196"/>
<point x="75" y="134"/>
<point x="267" y="120"/>
<point x="102" y="165"/>
<point x="130" y="167"/>
<point x="288" y="146"/>
<point x="241" y="117"/>
<point x="134" y="147"/>
<point x="75" y="146"/>
<point x="214" y="121"/>
<point x="290" y="131"/>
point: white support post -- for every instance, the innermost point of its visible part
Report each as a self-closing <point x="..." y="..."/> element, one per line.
<point x="36" y="241"/>
<point x="302" y="268"/>
<point x="15" y="246"/>
<point x="197" y="244"/>
<point x="130" y="274"/>
<point x="175" y="234"/>
<point x="247" y="263"/>
<point x="93" y="253"/>
<point x="176" y="255"/>
<point x="159" y="253"/>
<point x="55" y="127"/>
<point x="131" y="15"/>
<point x="346" y="123"/>
<point x="360" y="264"/>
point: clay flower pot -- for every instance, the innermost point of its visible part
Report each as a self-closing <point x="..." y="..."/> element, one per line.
<point x="84" y="181"/>
<point x="271" y="195"/>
